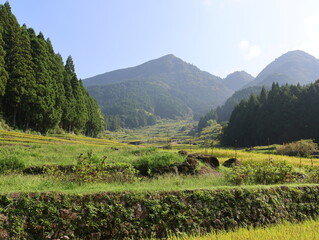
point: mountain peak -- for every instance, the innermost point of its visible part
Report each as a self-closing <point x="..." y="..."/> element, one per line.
<point x="160" y="87"/>
<point x="168" y="56"/>
<point x="296" y="55"/>
<point x="237" y="80"/>
<point x="292" y="67"/>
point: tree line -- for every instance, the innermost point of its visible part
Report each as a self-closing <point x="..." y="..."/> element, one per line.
<point x="282" y="114"/>
<point x="37" y="90"/>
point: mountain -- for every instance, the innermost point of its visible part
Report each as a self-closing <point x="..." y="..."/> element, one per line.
<point x="237" y="80"/>
<point x="166" y="87"/>
<point x="293" y="67"/>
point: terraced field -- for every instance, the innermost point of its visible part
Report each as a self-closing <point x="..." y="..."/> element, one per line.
<point x="70" y="166"/>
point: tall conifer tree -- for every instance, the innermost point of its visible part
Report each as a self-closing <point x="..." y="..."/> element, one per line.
<point x="3" y="72"/>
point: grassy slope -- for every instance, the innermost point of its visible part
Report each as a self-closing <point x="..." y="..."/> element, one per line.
<point x="64" y="150"/>
<point x="40" y="150"/>
<point x="308" y="230"/>
<point x="157" y="134"/>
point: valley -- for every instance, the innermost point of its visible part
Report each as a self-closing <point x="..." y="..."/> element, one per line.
<point x="156" y="148"/>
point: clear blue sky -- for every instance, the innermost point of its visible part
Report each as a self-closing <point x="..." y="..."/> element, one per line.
<point x="218" y="36"/>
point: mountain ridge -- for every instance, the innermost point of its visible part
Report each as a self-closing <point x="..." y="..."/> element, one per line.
<point x="292" y="67"/>
<point x="182" y="83"/>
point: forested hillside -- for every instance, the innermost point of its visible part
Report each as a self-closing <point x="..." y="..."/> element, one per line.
<point x="37" y="91"/>
<point x="136" y="104"/>
<point x="290" y="68"/>
<point x="284" y="114"/>
<point x="224" y="112"/>
<point x="162" y="88"/>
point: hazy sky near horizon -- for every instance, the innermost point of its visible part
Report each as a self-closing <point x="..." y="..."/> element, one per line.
<point x="218" y="36"/>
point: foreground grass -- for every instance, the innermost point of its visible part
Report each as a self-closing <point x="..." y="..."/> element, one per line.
<point x="308" y="230"/>
<point x="36" y="183"/>
<point x="32" y="183"/>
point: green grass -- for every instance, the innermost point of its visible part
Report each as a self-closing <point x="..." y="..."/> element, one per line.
<point x="36" y="183"/>
<point x="33" y="150"/>
<point x="308" y="230"/>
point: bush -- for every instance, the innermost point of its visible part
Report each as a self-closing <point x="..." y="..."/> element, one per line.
<point x="261" y="173"/>
<point x="3" y="124"/>
<point x="10" y="162"/>
<point x="147" y="164"/>
<point x="313" y="174"/>
<point x="302" y="148"/>
<point x="91" y="168"/>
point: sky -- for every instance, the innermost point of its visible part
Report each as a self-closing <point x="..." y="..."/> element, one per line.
<point x="217" y="36"/>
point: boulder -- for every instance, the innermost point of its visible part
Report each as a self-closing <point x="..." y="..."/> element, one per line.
<point x="189" y="166"/>
<point x="231" y="162"/>
<point x="210" y="159"/>
<point x="182" y="153"/>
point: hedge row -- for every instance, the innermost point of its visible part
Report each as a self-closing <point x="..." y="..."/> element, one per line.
<point x="134" y="215"/>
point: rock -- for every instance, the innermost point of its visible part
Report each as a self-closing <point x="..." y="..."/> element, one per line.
<point x="139" y="211"/>
<point x="182" y="153"/>
<point x="189" y="166"/>
<point x="68" y="214"/>
<point x="210" y="159"/>
<point x="3" y="219"/>
<point x="95" y="236"/>
<point x="218" y="224"/>
<point x="231" y="162"/>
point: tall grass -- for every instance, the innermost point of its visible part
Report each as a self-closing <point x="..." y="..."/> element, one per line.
<point x="246" y="156"/>
<point x="37" y="183"/>
<point x="308" y="230"/>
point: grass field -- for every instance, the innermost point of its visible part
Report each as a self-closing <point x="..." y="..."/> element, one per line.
<point x="31" y="150"/>
<point x="37" y="150"/>
<point x="163" y="132"/>
<point x="308" y="230"/>
<point x="62" y="150"/>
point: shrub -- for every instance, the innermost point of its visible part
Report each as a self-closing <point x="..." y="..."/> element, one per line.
<point x="313" y="174"/>
<point x="261" y="173"/>
<point x="10" y="162"/>
<point x="147" y="164"/>
<point x="91" y="168"/>
<point x="3" y="124"/>
<point x="303" y="148"/>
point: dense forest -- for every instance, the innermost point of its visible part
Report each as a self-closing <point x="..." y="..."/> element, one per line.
<point x="223" y="113"/>
<point x="282" y="114"/>
<point x="37" y="91"/>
